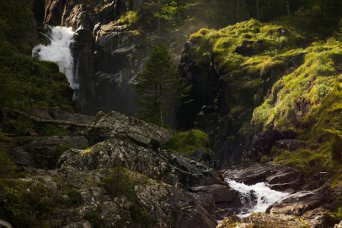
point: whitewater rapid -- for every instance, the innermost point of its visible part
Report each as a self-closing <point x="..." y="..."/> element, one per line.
<point x="257" y="197"/>
<point x="59" y="51"/>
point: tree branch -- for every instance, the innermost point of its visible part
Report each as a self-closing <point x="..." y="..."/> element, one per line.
<point x="40" y="120"/>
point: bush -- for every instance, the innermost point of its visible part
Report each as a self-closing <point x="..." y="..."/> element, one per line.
<point x="23" y="204"/>
<point x="120" y="182"/>
<point x="187" y="141"/>
<point x="7" y="167"/>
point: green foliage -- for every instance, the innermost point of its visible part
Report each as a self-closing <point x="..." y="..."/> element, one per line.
<point x="19" y="126"/>
<point x="308" y="101"/>
<point x="309" y="161"/>
<point x="51" y="130"/>
<point x="23" y="203"/>
<point x="232" y="46"/>
<point x="14" y="28"/>
<point x="94" y="217"/>
<point x="292" y="108"/>
<point x="120" y="182"/>
<point x="187" y="141"/>
<point x="176" y="15"/>
<point x="338" y="214"/>
<point x="130" y="17"/>
<point x="159" y="86"/>
<point x="7" y="167"/>
<point x="60" y="149"/>
<point x="320" y="16"/>
<point x="28" y="83"/>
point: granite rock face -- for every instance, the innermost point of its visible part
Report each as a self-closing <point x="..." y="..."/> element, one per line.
<point x="117" y="125"/>
<point x="107" y="54"/>
<point x="123" y="180"/>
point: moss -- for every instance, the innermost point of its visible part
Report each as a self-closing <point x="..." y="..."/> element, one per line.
<point x="18" y="126"/>
<point x="60" y="149"/>
<point x="122" y="182"/>
<point x="232" y="46"/>
<point x="309" y="102"/>
<point x="51" y="130"/>
<point x="7" y="166"/>
<point x="94" y="217"/>
<point x="187" y="141"/>
<point x="338" y="214"/>
<point x="130" y="17"/>
<point x="25" y="203"/>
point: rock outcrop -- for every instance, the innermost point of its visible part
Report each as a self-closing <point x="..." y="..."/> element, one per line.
<point x="124" y="180"/>
<point x="230" y="75"/>
<point x="309" y="205"/>
<point x="117" y="125"/>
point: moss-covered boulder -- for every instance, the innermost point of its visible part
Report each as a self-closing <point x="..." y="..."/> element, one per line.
<point x="231" y="70"/>
<point x="308" y="102"/>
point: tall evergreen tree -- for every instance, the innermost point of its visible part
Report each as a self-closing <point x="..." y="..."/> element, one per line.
<point x="159" y="86"/>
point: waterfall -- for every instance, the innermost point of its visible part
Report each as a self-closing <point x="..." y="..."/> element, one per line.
<point x="257" y="197"/>
<point x="58" y="51"/>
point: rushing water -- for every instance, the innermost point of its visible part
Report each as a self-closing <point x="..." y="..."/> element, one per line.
<point x="257" y="197"/>
<point x="58" y="51"/>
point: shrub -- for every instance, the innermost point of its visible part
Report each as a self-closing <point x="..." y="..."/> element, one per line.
<point x="25" y="203"/>
<point x="187" y="141"/>
<point x="120" y="182"/>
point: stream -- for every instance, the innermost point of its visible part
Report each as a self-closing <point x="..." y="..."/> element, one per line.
<point x="257" y="197"/>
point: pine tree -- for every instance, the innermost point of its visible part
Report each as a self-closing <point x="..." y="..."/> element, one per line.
<point x="159" y="86"/>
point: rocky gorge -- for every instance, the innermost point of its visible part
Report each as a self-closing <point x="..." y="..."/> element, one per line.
<point x="116" y="174"/>
<point x="257" y="145"/>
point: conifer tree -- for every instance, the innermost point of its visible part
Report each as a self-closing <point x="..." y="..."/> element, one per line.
<point x="159" y="86"/>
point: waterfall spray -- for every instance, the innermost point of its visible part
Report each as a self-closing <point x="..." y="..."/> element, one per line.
<point x="58" y="51"/>
<point x="263" y="195"/>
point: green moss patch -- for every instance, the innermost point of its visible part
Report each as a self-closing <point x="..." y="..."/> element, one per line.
<point x="25" y="203"/>
<point x="187" y="142"/>
<point x="232" y="46"/>
<point x="122" y="182"/>
<point x="309" y="102"/>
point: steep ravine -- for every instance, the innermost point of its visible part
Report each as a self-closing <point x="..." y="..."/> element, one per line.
<point x="268" y="97"/>
<point x="119" y="176"/>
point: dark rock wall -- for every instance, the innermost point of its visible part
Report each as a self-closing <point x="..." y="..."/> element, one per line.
<point x="106" y="57"/>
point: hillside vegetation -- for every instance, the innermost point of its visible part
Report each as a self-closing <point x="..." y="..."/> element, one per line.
<point x="300" y="80"/>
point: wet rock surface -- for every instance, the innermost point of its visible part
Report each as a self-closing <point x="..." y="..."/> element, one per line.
<point x="278" y="178"/>
<point x="308" y="205"/>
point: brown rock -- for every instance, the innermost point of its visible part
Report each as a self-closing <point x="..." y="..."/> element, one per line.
<point x="260" y="220"/>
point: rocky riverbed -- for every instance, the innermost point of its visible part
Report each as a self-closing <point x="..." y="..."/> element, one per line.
<point x="115" y="174"/>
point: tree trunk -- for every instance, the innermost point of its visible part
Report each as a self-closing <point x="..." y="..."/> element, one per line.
<point x="40" y="120"/>
<point x="161" y="121"/>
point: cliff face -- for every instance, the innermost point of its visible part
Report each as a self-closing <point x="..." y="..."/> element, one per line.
<point x="107" y="54"/>
<point x="262" y="91"/>
<point x="231" y="71"/>
<point x="113" y="39"/>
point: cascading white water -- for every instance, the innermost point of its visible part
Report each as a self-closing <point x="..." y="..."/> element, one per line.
<point x="263" y="195"/>
<point x="58" y="51"/>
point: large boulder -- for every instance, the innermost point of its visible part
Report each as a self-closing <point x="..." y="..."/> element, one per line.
<point x="161" y="165"/>
<point x="117" y="125"/>
<point x="220" y="200"/>
<point x="230" y="74"/>
<point x="44" y="152"/>
<point x="277" y="177"/>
